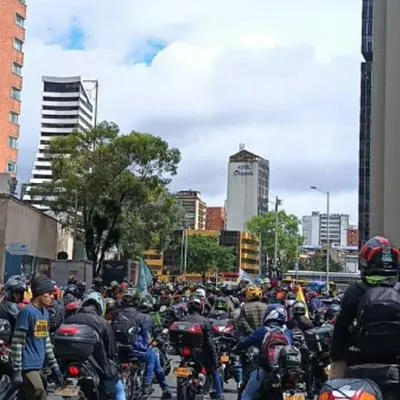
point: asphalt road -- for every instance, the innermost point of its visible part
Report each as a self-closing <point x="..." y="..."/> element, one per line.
<point x="230" y="389"/>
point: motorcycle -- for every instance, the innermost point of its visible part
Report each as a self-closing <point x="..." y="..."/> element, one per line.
<point x="160" y="343"/>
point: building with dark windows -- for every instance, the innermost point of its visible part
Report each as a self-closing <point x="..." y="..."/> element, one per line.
<point x="195" y="208"/>
<point x="68" y="104"/>
<point x="248" y="187"/>
<point x="365" y="121"/>
<point x="12" y="37"/>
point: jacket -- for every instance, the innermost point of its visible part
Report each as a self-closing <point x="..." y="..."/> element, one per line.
<point x="251" y="316"/>
<point x="208" y="354"/>
<point x="105" y="352"/>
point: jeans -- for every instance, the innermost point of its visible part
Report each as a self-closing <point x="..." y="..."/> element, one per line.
<point x="116" y="388"/>
<point x="153" y="367"/>
<point x="254" y="384"/>
<point x="217" y="381"/>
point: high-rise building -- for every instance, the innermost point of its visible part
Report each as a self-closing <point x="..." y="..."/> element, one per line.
<point x="68" y="104"/>
<point x="315" y="229"/>
<point x="364" y="171"/>
<point x="215" y="218"/>
<point x="385" y="122"/>
<point x="195" y="209"/>
<point x="12" y="37"/>
<point x="248" y="187"/>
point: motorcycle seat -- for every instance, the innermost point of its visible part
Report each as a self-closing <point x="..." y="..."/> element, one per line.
<point x="382" y="374"/>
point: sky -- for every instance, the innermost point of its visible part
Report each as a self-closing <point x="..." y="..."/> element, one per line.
<point x="282" y="77"/>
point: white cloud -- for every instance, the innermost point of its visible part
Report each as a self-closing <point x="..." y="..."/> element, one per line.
<point x="280" y="76"/>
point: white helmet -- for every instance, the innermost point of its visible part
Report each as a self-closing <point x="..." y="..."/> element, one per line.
<point x="200" y="293"/>
<point x="97" y="300"/>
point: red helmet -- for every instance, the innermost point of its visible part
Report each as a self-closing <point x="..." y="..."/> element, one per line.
<point x="379" y="257"/>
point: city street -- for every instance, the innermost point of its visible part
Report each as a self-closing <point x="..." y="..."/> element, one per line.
<point x="230" y="390"/>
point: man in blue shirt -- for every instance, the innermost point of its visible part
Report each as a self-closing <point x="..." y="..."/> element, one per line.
<point x="31" y="346"/>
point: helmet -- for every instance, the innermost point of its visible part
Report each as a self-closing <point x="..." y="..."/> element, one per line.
<point x="111" y="305"/>
<point x="253" y="293"/>
<point x="72" y="280"/>
<point x="71" y="289"/>
<point x="332" y="312"/>
<point x="379" y="257"/>
<point x="114" y="284"/>
<point x="146" y="304"/>
<point x="57" y="292"/>
<point x="15" y="284"/>
<point x="223" y="304"/>
<point x="299" y="308"/>
<point x="130" y="298"/>
<point x="275" y="314"/>
<point x="97" y="300"/>
<point x="200" y="293"/>
<point x="196" y="305"/>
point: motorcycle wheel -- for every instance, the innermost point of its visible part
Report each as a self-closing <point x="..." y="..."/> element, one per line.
<point x="183" y="391"/>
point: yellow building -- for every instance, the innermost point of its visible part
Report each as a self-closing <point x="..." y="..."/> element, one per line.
<point x="154" y="261"/>
<point x="249" y="253"/>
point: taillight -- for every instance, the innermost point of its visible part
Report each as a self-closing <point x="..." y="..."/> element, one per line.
<point x="228" y="329"/>
<point x="73" y="372"/>
<point x="68" y="330"/>
<point x="196" y="329"/>
<point x="186" y="352"/>
<point x="216" y="329"/>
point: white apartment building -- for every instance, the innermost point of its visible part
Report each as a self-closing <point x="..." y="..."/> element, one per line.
<point x="315" y="229"/>
<point x="68" y="104"/>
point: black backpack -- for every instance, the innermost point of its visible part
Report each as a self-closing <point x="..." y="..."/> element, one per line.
<point x="121" y="326"/>
<point x="378" y="322"/>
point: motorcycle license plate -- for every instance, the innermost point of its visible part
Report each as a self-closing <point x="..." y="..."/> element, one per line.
<point x="295" y="396"/>
<point x="67" y="391"/>
<point x="224" y="359"/>
<point x="182" y="372"/>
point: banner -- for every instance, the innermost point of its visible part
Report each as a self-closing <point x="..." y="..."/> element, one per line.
<point x="145" y="277"/>
<point x="300" y="297"/>
<point x="244" y="276"/>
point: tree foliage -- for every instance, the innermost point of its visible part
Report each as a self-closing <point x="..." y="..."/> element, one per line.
<point x="289" y="238"/>
<point x="318" y="263"/>
<point x="108" y="185"/>
<point x="205" y="254"/>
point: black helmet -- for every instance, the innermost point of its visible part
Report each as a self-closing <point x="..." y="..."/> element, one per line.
<point x="299" y="308"/>
<point x="71" y="289"/>
<point x="196" y="305"/>
<point x="130" y="298"/>
<point x="15" y="284"/>
<point x="379" y="257"/>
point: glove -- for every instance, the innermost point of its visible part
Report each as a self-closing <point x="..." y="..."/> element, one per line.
<point x="18" y="378"/>
<point x="57" y="376"/>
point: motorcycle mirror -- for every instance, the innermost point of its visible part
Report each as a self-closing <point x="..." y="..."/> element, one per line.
<point x="165" y="331"/>
<point x="163" y="309"/>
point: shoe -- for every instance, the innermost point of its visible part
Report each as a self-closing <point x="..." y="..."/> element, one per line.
<point x="147" y="390"/>
<point x="166" y="394"/>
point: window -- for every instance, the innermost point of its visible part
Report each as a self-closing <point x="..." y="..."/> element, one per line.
<point x="13" y="117"/>
<point x="17" y="69"/>
<point x="16" y="94"/>
<point x="19" y="20"/>
<point x="18" y="45"/>
<point x="12" y="142"/>
<point x="12" y="167"/>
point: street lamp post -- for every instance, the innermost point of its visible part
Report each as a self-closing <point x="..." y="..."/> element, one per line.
<point x="277" y="203"/>
<point x="328" y="238"/>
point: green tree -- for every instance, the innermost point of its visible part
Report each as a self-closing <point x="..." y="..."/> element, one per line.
<point x="318" y="263"/>
<point x="205" y="254"/>
<point x="289" y="238"/>
<point x="103" y="183"/>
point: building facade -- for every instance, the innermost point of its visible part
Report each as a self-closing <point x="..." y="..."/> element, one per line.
<point x="215" y="218"/>
<point x="315" y="229"/>
<point x="364" y="171"/>
<point x="248" y="188"/>
<point x="385" y="122"/>
<point x="195" y="209"/>
<point x="68" y="104"/>
<point x="12" y="21"/>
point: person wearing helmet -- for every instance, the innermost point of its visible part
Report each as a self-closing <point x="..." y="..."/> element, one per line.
<point x="208" y="354"/>
<point x="299" y="319"/>
<point x="127" y="317"/>
<point x="56" y="310"/>
<point x="202" y="294"/>
<point x="81" y="289"/>
<point x="253" y="310"/>
<point x="14" y="291"/>
<point x="71" y="289"/>
<point x="275" y="319"/>
<point x="111" y="307"/>
<point x="92" y="313"/>
<point x="364" y="311"/>
<point x="97" y="284"/>
<point x="31" y="348"/>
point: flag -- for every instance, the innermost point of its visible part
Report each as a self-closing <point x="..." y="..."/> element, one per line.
<point x="300" y="297"/>
<point x="244" y="276"/>
<point x="145" y="277"/>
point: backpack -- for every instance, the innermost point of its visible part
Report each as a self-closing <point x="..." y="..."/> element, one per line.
<point x="121" y="325"/>
<point x="378" y="322"/>
<point x="274" y="341"/>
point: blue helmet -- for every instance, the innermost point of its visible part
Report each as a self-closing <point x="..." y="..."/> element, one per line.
<point x="275" y="313"/>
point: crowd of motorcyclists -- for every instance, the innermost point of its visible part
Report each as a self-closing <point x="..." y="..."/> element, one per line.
<point x="267" y="317"/>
